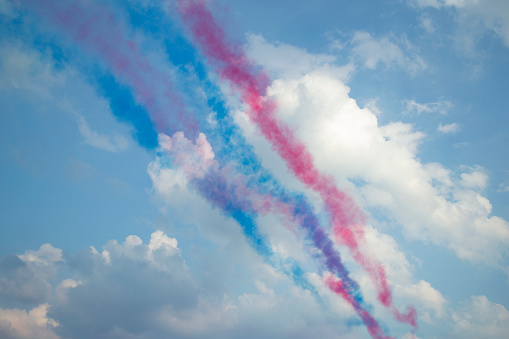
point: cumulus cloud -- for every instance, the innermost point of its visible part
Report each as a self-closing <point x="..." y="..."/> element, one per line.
<point x="428" y="297"/>
<point x="474" y="178"/>
<point x="430" y="202"/>
<point x="372" y="105"/>
<point x="143" y="290"/>
<point x="481" y="318"/>
<point x="194" y="159"/>
<point x="406" y="289"/>
<point x="131" y="282"/>
<point x="20" y="324"/>
<point x="286" y="244"/>
<point x="24" y="279"/>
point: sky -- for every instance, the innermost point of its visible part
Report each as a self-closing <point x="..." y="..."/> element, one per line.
<point x="248" y="169"/>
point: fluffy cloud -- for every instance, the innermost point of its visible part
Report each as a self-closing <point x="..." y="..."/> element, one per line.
<point x="371" y="52"/>
<point x="406" y="290"/>
<point x="20" y="324"/>
<point x="24" y="279"/>
<point x="474" y="178"/>
<point x="23" y="70"/>
<point x="430" y="202"/>
<point x="449" y="128"/>
<point x="124" y="288"/>
<point x="481" y="318"/>
<point x="276" y="58"/>
<point x="169" y="183"/>
<point x="146" y="290"/>
<point x="492" y="14"/>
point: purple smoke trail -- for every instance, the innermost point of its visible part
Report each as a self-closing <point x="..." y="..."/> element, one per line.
<point x="232" y="65"/>
<point x="95" y="29"/>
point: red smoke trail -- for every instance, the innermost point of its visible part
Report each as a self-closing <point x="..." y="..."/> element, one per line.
<point x="372" y="325"/>
<point x="94" y="28"/>
<point x="233" y="66"/>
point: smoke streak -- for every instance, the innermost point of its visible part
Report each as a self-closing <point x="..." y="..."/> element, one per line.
<point x="372" y="325"/>
<point x="95" y="29"/>
<point x="227" y="190"/>
<point x="233" y="66"/>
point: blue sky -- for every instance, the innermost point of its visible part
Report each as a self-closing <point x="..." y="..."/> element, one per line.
<point x="111" y="230"/>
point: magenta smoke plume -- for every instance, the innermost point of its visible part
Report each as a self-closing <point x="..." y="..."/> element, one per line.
<point x="94" y="29"/>
<point x="232" y="65"/>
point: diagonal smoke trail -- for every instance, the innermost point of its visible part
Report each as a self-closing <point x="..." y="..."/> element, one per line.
<point x="232" y="65"/>
<point x="95" y="29"/>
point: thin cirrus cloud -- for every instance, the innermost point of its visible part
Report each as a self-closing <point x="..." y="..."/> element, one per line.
<point x="440" y="106"/>
<point x="114" y="143"/>
<point x="492" y="15"/>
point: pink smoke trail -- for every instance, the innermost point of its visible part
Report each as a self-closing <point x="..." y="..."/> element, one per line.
<point x="94" y="28"/>
<point x="233" y="66"/>
<point x="197" y="158"/>
<point x="372" y="325"/>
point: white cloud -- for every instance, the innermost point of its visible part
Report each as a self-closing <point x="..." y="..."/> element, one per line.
<point x="475" y="179"/>
<point x="115" y="143"/>
<point x="286" y="244"/>
<point x="23" y="70"/>
<point x="427" y="200"/>
<point x="45" y="256"/>
<point x="289" y="61"/>
<point x="410" y="336"/>
<point x="20" y="324"/>
<point x="62" y="288"/>
<point x="372" y="105"/>
<point x="25" y="279"/>
<point x="372" y="52"/>
<point x="481" y="319"/>
<point x="194" y="159"/>
<point x="503" y="187"/>
<point x="124" y="290"/>
<point x="441" y="106"/>
<point x="406" y="290"/>
<point x="428" y="298"/>
<point x="449" y="128"/>
<point x="427" y="23"/>
<point x="424" y="3"/>
<point x="28" y="74"/>
<point x="146" y="291"/>
<point x="493" y="14"/>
